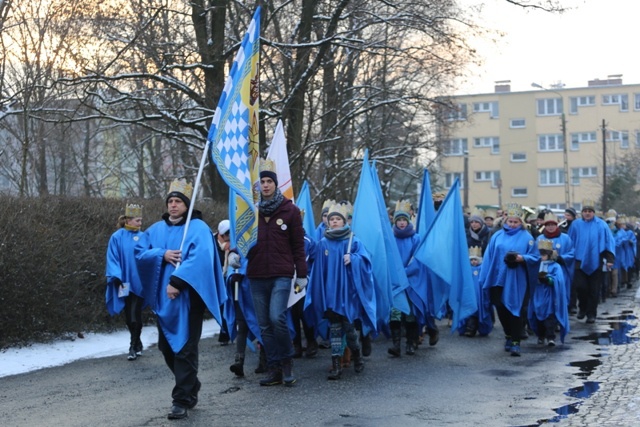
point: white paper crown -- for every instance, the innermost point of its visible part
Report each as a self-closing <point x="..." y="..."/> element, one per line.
<point x="133" y="211"/>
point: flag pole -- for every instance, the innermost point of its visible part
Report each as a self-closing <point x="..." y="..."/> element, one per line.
<point x="193" y="198"/>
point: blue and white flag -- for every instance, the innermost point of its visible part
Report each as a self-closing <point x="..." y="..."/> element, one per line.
<point x="234" y="137"/>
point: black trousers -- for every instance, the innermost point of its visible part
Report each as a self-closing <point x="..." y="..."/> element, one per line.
<point x="512" y="325"/>
<point x="588" y="291"/>
<point x="184" y="364"/>
<point x="133" y="316"/>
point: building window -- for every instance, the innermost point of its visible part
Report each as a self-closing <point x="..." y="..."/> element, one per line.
<point x="450" y="179"/>
<point x="618" y="136"/>
<point x="517" y="123"/>
<point x="624" y="141"/>
<point x="636" y="101"/>
<point x="617" y="99"/>
<point x="487" y="107"/>
<point x="518" y="157"/>
<point x="549" y="106"/>
<point x="457" y="113"/>
<point x="581" y="138"/>
<point x="519" y="192"/>
<point x="581" y="101"/>
<point x="550" y="143"/>
<point x="454" y="147"/>
<point x="488" y="176"/>
<point x="557" y="206"/>
<point x="549" y="177"/>
<point x="583" y="172"/>
<point x="637" y="138"/>
<point x="491" y="141"/>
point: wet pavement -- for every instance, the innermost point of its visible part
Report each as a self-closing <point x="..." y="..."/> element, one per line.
<point x="610" y="393"/>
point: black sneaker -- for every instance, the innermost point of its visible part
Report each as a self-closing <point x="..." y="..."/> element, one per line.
<point x="581" y="315"/>
<point x="274" y="377"/>
<point x="132" y="354"/>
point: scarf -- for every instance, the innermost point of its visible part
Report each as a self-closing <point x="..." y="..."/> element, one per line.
<point x="338" y="233"/>
<point x="403" y="234"/>
<point x="476" y="236"/>
<point x="551" y="235"/>
<point x="130" y="228"/>
<point x="511" y="231"/>
<point x="268" y="207"/>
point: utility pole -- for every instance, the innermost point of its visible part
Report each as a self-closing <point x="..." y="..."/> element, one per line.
<point x="465" y="181"/>
<point x="565" y="157"/>
<point x="604" y="166"/>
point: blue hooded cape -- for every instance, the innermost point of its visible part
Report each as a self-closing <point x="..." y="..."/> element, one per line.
<point x="418" y="289"/>
<point x="590" y="240"/>
<point x="485" y="323"/>
<point x="345" y="290"/>
<point x="200" y="268"/>
<point x="563" y="245"/>
<point x="121" y="264"/>
<point x="547" y="300"/>
<point x="494" y="271"/>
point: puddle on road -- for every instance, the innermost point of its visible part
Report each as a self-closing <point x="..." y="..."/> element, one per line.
<point x="617" y="335"/>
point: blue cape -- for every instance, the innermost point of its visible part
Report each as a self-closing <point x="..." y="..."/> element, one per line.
<point x="485" y="323"/>
<point x="590" y="240"/>
<point x="547" y="300"/>
<point x="494" y="271"/>
<point x="345" y="290"/>
<point x="564" y="247"/>
<point x="121" y="264"/>
<point x="200" y="268"/>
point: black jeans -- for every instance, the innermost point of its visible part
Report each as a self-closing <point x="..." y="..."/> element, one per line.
<point x="512" y="325"/>
<point x="588" y="291"/>
<point x="184" y="364"/>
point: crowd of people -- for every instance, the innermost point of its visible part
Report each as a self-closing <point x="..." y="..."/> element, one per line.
<point x="295" y="293"/>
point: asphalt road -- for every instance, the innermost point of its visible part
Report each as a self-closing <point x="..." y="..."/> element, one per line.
<point x="459" y="382"/>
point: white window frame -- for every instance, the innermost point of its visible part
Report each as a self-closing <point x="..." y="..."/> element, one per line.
<point x="550" y="177"/>
<point x="636" y="101"/>
<point x="490" y="107"/>
<point x="550" y="143"/>
<point x="457" y="113"/>
<point x="455" y="147"/>
<point x="620" y="99"/>
<point x="549" y="106"/>
<point x="515" y="123"/>
<point x="514" y="160"/>
<point x="578" y="138"/>
<point x="519" y="192"/>
<point x="450" y="178"/>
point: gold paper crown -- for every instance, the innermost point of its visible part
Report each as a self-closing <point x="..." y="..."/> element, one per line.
<point x="349" y="207"/>
<point x="621" y="220"/>
<point x="340" y="209"/>
<point x="610" y="215"/>
<point x="550" y="217"/>
<point x="403" y="208"/>
<point x="546" y="245"/>
<point x="267" y="165"/>
<point x="475" y="252"/>
<point x="478" y="212"/>
<point x="514" y="210"/>
<point x="133" y="211"/>
<point x="438" y="196"/>
<point x="327" y="204"/>
<point x="589" y="203"/>
<point x="181" y="186"/>
<point x="490" y="213"/>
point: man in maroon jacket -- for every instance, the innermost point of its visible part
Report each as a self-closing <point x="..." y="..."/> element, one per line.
<point x="273" y="261"/>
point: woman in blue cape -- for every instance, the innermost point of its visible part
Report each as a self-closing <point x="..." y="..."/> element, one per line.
<point x="341" y="289"/>
<point x="179" y="284"/>
<point x="407" y="241"/>
<point x="124" y="289"/>
<point x="548" y="304"/>
<point x="509" y="260"/>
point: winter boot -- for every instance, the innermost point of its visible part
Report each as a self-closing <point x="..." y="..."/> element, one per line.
<point x="358" y="361"/>
<point x="411" y="329"/>
<point x="287" y="372"/>
<point x="238" y="366"/>
<point x="274" y="377"/>
<point x="262" y="364"/>
<point x="396" y="337"/>
<point x="336" y="368"/>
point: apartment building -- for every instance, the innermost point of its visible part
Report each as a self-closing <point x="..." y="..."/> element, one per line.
<point x="510" y="146"/>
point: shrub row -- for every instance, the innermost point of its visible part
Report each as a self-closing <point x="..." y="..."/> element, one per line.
<point x="52" y="264"/>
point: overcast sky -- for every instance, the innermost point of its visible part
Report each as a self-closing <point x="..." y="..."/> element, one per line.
<point x="595" y="39"/>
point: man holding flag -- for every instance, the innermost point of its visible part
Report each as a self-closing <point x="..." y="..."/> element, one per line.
<point x="277" y="256"/>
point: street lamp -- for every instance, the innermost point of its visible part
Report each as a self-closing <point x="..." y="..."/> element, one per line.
<point x="565" y="153"/>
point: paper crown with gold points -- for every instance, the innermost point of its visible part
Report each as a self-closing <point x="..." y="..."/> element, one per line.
<point x="133" y="211"/>
<point x="546" y="245"/>
<point x="403" y="210"/>
<point x="339" y="209"/>
<point x="475" y="252"/>
<point x="349" y="207"/>
<point x="182" y="189"/>
<point x="268" y="170"/>
<point x="610" y="216"/>
<point x="513" y="210"/>
<point x="589" y="204"/>
<point x="327" y="204"/>
<point x="438" y="196"/>
<point x="550" y="217"/>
